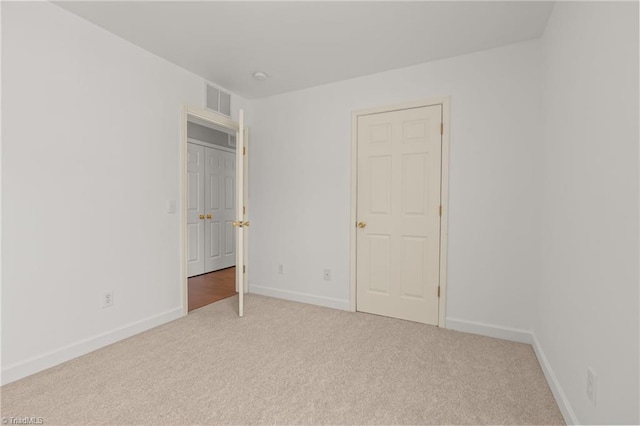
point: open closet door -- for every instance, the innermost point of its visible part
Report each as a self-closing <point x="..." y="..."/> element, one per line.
<point x="240" y="224"/>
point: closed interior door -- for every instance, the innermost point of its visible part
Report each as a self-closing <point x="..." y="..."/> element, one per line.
<point x="398" y="211"/>
<point x="214" y="225"/>
<point x="219" y="191"/>
<point x="211" y="209"/>
<point x="195" y="210"/>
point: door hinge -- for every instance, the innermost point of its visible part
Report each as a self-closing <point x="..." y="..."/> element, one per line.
<point x="244" y="271"/>
<point x="440" y="211"/>
<point x="442" y="128"/>
<point x="438" y="291"/>
<point x="244" y="150"/>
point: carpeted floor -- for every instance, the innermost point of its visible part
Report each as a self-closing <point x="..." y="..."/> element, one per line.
<point x="291" y="363"/>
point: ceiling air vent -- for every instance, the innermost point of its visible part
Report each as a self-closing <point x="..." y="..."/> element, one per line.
<point x="218" y="101"/>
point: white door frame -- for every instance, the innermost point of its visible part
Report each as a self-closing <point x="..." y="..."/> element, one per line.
<point x="210" y="145"/>
<point x="219" y="120"/>
<point x="444" y="195"/>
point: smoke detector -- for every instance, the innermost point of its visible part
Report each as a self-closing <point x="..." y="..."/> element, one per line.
<point x="260" y="76"/>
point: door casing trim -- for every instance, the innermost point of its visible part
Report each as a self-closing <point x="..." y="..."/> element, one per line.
<point x="219" y="120"/>
<point x="444" y="195"/>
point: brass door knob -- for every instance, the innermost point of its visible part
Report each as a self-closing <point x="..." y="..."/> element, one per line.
<point x="237" y="224"/>
<point x="201" y="216"/>
<point x="362" y="225"/>
<point x="247" y="223"/>
<point x="208" y="216"/>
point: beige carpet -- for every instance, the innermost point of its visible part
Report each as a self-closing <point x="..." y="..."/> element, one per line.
<point x="291" y="363"/>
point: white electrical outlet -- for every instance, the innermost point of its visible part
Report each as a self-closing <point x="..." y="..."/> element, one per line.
<point x="107" y="299"/>
<point x="591" y="385"/>
<point x="327" y="274"/>
<point x="280" y="268"/>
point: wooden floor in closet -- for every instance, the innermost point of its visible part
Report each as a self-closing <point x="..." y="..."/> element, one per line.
<point x="208" y="288"/>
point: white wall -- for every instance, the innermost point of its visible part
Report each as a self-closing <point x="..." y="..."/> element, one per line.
<point x="588" y="294"/>
<point x="300" y="182"/>
<point x="543" y="231"/>
<point x="90" y="156"/>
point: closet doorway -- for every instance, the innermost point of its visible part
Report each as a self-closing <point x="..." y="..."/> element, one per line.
<point x="211" y="212"/>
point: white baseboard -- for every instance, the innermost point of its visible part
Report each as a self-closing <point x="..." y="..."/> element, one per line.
<point x="490" y="330"/>
<point x="30" y="366"/>
<point x="33" y="365"/>
<point x="522" y="336"/>
<point x="295" y="296"/>
<point x="569" y="415"/>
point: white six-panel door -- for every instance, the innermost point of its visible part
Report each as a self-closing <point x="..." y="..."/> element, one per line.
<point x="219" y="196"/>
<point x="398" y="211"/>
<point x="214" y="226"/>
<point x="195" y="210"/>
<point x="211" y="209"/>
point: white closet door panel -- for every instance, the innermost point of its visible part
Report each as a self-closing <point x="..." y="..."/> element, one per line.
<point x="214" y="223"/>
<point x="195" y="208"/>
<point x="219" y="197"/>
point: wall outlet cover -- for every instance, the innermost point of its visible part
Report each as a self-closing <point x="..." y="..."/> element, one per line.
<point x="107" y="299"/>
<point x="327" y="274"/>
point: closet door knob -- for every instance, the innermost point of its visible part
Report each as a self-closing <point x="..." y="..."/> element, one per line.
<point x="201" y="216"/>
<point x="208" y="216"/>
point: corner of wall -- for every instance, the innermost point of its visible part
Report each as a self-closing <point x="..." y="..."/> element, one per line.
<point x="554" y="384"/>
<point x="521" y="336"/>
